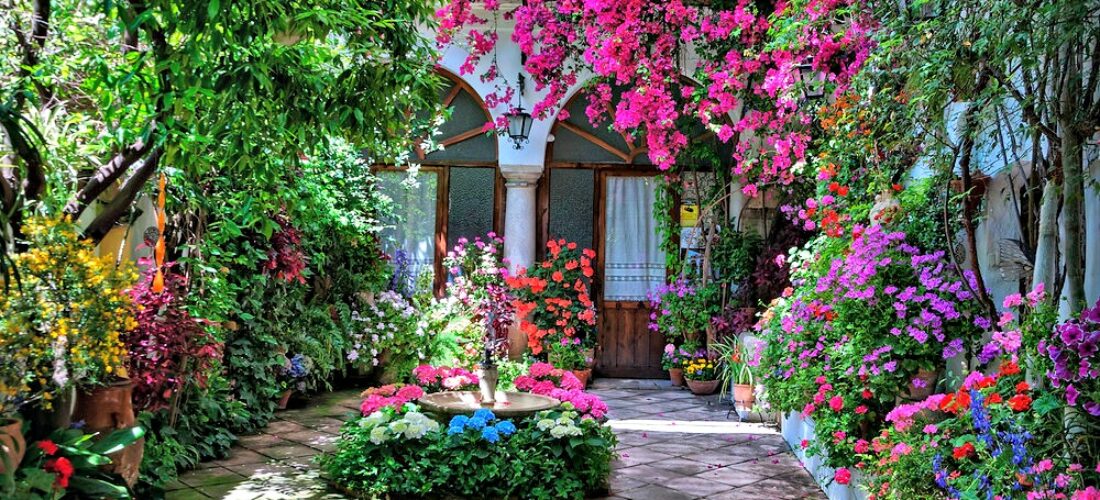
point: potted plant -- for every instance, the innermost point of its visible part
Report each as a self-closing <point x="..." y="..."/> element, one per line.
<point x="12" y="444"/>
<point x="568" y="354"/>
<point x="71" y="313"/>
<point x="735" y="373"/>
<point x="553" y="298"/>
<point x="701" y="375"/>
<point x="292" y="377"/>
<point x="673" y="360"/>
<point x="682" y="311"/>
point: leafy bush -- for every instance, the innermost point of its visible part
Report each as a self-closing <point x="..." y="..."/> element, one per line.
<point x="866" y="318"/>
<point x="994" y="437"/>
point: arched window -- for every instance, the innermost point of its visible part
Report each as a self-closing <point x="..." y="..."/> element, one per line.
<point x="459" y="192"/>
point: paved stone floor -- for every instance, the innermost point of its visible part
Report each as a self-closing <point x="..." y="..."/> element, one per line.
<point x="672" y="446"/>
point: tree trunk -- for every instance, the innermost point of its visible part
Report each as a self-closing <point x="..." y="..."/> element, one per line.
<point x="1046" y="246"/>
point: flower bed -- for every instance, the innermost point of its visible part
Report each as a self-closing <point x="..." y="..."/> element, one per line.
<point x="399" y="451"/>
<point x="393" y="449"/>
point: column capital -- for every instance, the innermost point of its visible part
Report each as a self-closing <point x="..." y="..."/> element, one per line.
<point x="521" y="175"/>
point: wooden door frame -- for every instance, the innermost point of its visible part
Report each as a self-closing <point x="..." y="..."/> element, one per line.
<point x="442" y="210"/>
<point x="601" y="172"/>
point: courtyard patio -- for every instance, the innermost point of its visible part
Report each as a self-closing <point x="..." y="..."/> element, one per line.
<point x="672" y="446"/>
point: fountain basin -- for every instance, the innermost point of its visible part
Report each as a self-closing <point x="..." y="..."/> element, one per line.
<point x="508" y="404"/>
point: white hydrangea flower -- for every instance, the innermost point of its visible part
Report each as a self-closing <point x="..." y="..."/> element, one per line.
<point x="544" y="424"/>
<point x="378" y="435"/>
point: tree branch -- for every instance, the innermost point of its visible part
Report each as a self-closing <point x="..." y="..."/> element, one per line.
<point x="129" y="191"/>
<point x="105" y="176"/>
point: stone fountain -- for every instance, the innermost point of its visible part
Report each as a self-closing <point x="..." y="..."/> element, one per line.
<point x="505" y="404"/>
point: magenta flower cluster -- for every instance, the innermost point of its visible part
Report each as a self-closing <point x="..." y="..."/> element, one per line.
<point x="1074" y="350"/>
<point x="545" y="380"/>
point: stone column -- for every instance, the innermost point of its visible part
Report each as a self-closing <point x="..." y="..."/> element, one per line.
<point x="519" y="230"/>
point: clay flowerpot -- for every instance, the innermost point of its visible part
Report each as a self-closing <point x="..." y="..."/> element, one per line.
<point x="929" y="378"/>
<point x="583" y="376"/>
<point x="284" y="399"/>
<point x="744" y="394"/>
<point x="702" y="387"/>
<point x="676" y="375"/>
<point x="590" y="355"/>
<point x="107" y="409"/>
<point x="12" y="444"/>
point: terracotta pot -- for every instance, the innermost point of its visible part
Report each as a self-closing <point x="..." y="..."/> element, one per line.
<point x="702" y="387"/>
<point x="914" y="393"/>
<point x="744" y="394"/>
<point x="284" y="399"/>
<point x="12" y="444"/>
<point x="676" y="375"/>
<point x="590" y="355"/>
<point x="105" y="410"/>
<point x="583" y="376"/>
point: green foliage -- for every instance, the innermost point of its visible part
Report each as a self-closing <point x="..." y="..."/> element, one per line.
<point x="733" y="256"/>
<point x="67" y="464"/>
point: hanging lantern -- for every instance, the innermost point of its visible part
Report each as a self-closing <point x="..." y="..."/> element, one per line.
<point x="519" y="126"/>
<point x="519" y="120"/>
<point x="813" y="82"/>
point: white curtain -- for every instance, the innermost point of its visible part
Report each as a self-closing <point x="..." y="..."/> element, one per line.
<point x="634" y="262"/>
<point x="412" y="230"/>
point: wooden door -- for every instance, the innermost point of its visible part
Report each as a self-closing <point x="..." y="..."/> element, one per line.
<point x="629" y="264"/>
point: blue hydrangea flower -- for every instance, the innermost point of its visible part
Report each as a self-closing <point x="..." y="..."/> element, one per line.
<point x="475" y="423"/>
<point x="506" y="427"/>
<point x="459" y="421"/>
<point x="452" y="430"/>
<point x="485" y="414"/>
<point x="490" y="434"/>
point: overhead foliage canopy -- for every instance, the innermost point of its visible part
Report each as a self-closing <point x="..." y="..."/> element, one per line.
<point x="96" y="96"/>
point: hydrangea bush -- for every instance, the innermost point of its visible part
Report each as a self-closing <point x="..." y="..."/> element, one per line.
<point x="401" y="452"/>
<point x="544" y="379"/>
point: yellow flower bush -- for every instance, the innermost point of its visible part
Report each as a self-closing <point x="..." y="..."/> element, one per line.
<point x="701" y="369"/>
<point x="64" y="324"/>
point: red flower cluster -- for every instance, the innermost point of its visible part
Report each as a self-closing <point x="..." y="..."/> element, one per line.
<point x="553" y="298"/>
<point x="62" y="468"/>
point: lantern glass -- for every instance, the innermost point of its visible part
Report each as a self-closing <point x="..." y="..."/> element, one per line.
<point x="519" y="126"/>
<point x="813" y="82"/>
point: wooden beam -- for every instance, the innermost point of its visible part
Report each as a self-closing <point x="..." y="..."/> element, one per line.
<point x="595" y="140"/>
<point x="452" y="95"/>
<point x="469" y="134"/>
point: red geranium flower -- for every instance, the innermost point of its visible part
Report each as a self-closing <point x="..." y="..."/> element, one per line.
<point x="48" y="447"/>
<point x="63" y="468"/>
<point x="1023" y="387"/>
<point x="961" y="452"/>
<point x="1009" y="368"/>
<point x="1020" y="402"/>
